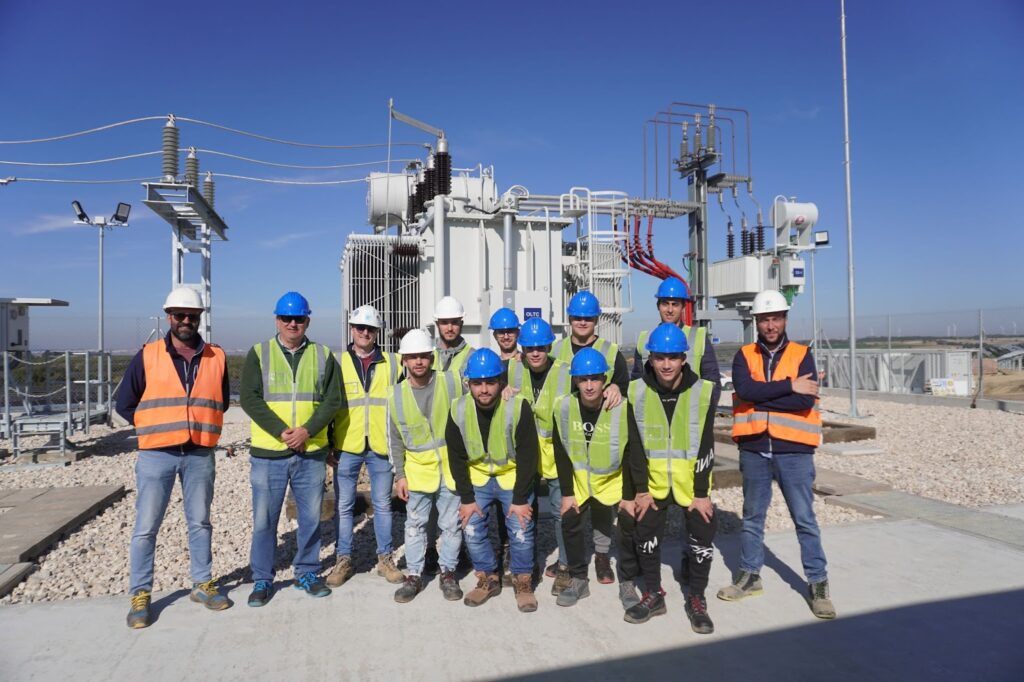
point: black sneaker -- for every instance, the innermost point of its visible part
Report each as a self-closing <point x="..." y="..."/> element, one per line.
<point x="411" y="586"/>
<point x="262" y="591"/>
<point x="603" y="568"/>
<point x="450" y="587"/>
<point x="652" y="604"/>
<point x="311" y="584"/>
<point x="697" y="611"/>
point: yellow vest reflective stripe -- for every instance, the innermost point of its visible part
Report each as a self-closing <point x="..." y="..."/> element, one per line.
<point x="292" y="396"/>
<point x="597" y="465"/>
<point x="671" y="449"/>
<point x="696" y="339"/>
<point x="556" y="384"/>
<point x="365" y="414"/>
<point x="498" y="458"/>
<point x="563" y="353"/>
<point x="457" y="363"/>
<point x="426" y="451"/>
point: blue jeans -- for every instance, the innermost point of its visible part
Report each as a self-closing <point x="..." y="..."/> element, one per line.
<point x="346" y="474"/>
<point x="520" y="538"/>
<point x="418" y="514"/>
<point x="555" y="507"/>
<point x="155" y="472"/>
<point x="794" y="473"/>
<point x="270" y="479"/>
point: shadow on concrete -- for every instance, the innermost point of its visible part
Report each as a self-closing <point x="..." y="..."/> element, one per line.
<point x="973" y="638"/>
<point x="156" y="607"/>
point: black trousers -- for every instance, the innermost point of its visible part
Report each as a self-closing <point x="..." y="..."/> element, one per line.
<point x="575" y="540"/>
<point x="640" y="547"/>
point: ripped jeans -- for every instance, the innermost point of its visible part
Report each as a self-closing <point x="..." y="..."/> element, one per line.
<point x="521" y="539"/>
<point x="417" y="511"/>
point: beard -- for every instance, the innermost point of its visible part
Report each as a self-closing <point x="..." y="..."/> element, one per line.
<point x="184" y="333"/>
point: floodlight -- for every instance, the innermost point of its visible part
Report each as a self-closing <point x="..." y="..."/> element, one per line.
<point x="80" y="212"/>
<point x="821" y="238"/>
<point x="121" y="214"/>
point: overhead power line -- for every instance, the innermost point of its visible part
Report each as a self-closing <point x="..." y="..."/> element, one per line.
<point x="292" y="165"/>
<point x="80" y="163"/>
<point x="86" y="132"/>
<point x="71" y="181"/>
<point x="289" y="182"/>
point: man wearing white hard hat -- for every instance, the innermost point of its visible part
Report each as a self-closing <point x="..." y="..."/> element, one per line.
<point x="175" y="391"/>
<point x="452" y="350"/>
<point x="418" y="409"/>
<point x="360" y="437"/>
<point x="777" y="426"/>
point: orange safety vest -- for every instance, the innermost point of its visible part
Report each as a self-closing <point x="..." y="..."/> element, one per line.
<point x="166" y="416"/>
<point x="798" y="427"/>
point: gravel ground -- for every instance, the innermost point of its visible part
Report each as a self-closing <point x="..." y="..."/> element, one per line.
<point x="969" y="457"/>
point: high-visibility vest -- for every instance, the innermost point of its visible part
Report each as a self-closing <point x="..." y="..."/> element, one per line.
<point x="696" y="339"/>
<point x="798" y="427"/>
<point x="671" y="449"/>
<point x="166" y="416"/>
<point x="498" y="457"/>
<point x="292" y="396"/>
<point x="365" y="413"/>
<point x="563" y="352"/>
<point x="426" y="451"/>
<point x="457" y="363"/>
<point x="597" y="465"/>
<point x="556" y="383"/>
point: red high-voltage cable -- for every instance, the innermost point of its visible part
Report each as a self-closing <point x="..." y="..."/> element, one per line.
<point x="688" y="306"/>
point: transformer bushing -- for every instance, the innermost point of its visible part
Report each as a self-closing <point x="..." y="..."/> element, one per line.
<point x="170" y="150"/>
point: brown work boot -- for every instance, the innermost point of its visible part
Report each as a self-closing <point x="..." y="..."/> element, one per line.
<point x="386" y="567"/>
<point x="562" y="581"/>
<point x="603" y="568"/>
<point x="522" y="583"/>
<point x="487" y="585"/>
<point x="343" y="570"/>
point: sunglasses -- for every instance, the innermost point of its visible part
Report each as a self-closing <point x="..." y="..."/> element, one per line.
<point x="535" y="349"/>
<point x="288" y="319"/>
<point x="364" y="328"/>
<point x="181" y="317"/>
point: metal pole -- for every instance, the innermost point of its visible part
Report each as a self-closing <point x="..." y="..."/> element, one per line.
<point x="88" y="416"/>
<point x="814" y="307"/>
<point x="100" y="326"/>
<point x="981" y="350"/>
<point x="849" y="220"/>
<point x="67" y="387"/>
<point x="7" y="393"/>
<point x="888" y="352"/>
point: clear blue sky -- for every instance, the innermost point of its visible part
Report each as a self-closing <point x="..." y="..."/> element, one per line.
<point x="552" y="94"/>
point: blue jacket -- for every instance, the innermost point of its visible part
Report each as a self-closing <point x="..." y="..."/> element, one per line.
<point x="771" y="396"/>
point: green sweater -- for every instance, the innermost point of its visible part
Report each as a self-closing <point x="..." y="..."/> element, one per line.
<point x="251" y="398"/>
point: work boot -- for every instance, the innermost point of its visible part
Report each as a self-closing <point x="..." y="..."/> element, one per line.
<point x="208" y="595"/>
<point x="603" y="568"/>
<point x="343" y="570"/>
<point x="311" y="584"/>
<point x="697" y="611"/>
<point x="652" y="604"/>
<point x="138" y="614"/>
<point x="578" y="588"/>
<point x="487" y="585"/>
<point x="562" y="581"/>
<point x="262" y="590"/>
<point x="628" y="595"/>
<point x="506" y="566"/>
<point x="821" y="603"/>
<point x="450" y="586"/>
<point x="386" y="567"/>
<point x="745" y="585"/>
<point x="522" y="583"/>
<point x="552" y="570"/>
<point x="411" y="586"/>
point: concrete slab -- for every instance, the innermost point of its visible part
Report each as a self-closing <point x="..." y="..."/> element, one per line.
<point x="984" y="524"/>
<point x="35" y="523"/>
<point x="901" y="617"/>
<point x="850" y="449"/>
<point x="1015" y="511"/>
<point x="828" y="482"/>
<point x="11" y="575"/>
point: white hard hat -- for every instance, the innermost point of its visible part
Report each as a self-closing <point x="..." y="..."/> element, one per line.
<point x="769" y="301"/>
<point x="449" y="308"/>
<point x="184" y="297"/>
<point x="365" y="314"/>
<point x="415" y="341"/>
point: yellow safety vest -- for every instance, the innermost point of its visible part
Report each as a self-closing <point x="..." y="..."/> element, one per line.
<point x="696" y="339"/>
<point x="556" y="384"/>
<point x="671" y="449"/>
<point x="365" y="414"/>
<point x="457" y="363"/>
<point x="597" y="465"/>
<point x="292" y="396"/>
<point x="498" y="457"/>
<point x="426" y="451"/>
<point x="563" y="352"/>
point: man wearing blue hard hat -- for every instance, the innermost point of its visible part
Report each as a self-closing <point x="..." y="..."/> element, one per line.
<point x="593" y="447"/>
<point x="504" y="325"/>
<point x="675" y="416"/>
<point x="672" y="295"/>
<point x="540" y="381"/>
<point x="492" y="450"/>
<point x="291" y="390"/>
<point x="584" y="311"/>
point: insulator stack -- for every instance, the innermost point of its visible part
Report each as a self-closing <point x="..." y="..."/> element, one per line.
<point x="745" y="245"/>
<point x="760" y="236"/>
<point x="410" y="207"/>
<point x="429" y="184"/>
<point x="443" y="173"/>
<point x="406" y="250"/>
<point x="209" y="191"/>
<point x="711" y="128"/>
<point x="170" y="150"/>
<point x="730" y="243"/>
<point x="420" y="196"/>
<point x="192" y="168"/>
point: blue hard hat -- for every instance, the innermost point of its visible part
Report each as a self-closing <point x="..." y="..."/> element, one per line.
<point x="535" y="332"/>
<point x="588" y="362"/>
<point x="584" y="304"/>
<point x="292" y="303"/>
<point x="504" y="318"/>
<point x="672" y="287"/>
<point x="483" y="364"/>
<point x="667" y="338"/>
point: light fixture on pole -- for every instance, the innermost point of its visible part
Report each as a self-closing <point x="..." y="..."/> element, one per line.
<point x="119" y="219"/>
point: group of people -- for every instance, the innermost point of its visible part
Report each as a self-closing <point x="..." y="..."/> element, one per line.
<point x="461" y="435"/>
